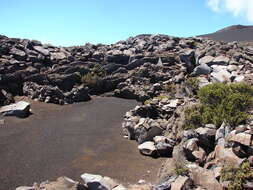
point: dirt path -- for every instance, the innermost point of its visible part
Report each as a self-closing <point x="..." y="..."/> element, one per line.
<point x="70" y="140"/>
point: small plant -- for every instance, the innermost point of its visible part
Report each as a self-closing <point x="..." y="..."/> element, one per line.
<point x="193" y="83"/>
<point x="160" y="97"/>
<point x="93" y="76"/>
<point x="181" y="169"/>
<point x="90" y="79"/>
<point x="193" y="117"/>
<point x="170" y="88"/>
<point x="236" y="175"/>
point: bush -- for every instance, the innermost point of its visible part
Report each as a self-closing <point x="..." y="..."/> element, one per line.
<point x="90" y="79"/>
<point x="160" y="98"/>
<point x="193" y="117"/>
<point x="229" y="102"/>
<point x="193" y="83"/>
<point x="181" y="169"/>
<point x="220" y="102"/>
<point x="236" y="175"/>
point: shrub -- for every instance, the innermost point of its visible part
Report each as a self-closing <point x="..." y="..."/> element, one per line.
<point x="160" y="97"/>
<point x="181" y="169"/>
<point x="90" y="79"/>
<point x="229" y="102"/>
<point x="193" y="117"/>
<point x="220" y="102"/>
<point x="236" y="175"/>
<point x="193" y="83"/>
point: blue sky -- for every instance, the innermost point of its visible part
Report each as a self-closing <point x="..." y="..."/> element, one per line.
<point x="75" y="22"/>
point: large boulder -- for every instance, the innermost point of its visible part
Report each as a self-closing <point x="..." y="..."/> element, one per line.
<point x="204" y="178"/>
<point x="19" y="109"/>
<point x="98" y="182"/>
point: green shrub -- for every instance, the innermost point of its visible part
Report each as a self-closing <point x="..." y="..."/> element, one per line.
<point x="193" y="83"/>
<point x="90" y="79"/>
<point x="181" y="169"/>
<point x="236" y="175"/>
<point x="193" y="117"/>
<point x="98" y="70"/>
<point x="229" y="102"/>
<point x="160" y="97"/>
<point x="220" y="102"/>
<point x="93" y="76"/>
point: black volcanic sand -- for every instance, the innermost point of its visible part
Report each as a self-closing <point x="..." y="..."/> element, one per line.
<point x="70" y="140"/>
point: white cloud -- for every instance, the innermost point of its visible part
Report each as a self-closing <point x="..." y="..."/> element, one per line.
<point x="243" y="8"/>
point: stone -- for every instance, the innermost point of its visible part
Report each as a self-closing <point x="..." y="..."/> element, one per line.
<point x="97" y="182"/>
<point x="19" y="109"/>
<point x="200" y="155"/>
<point x="202" y="69"/>
<point x="25" y="188"/>
<point x="221" y="76"/>
<point x="143" y="134"/>
<point x="221" y="60"/>
<point x="119" y="187"/>
<point x="208" y="60"/>
<point x="181" y="183"/>
<point x="63" y="183"/>
<point x="164" y="149"/>
<point x="204" y="178"/>
<point x="58" y="56"/>
<point x="241" y="138"/>
<point x="41" y="50"/>
<point x="223" y="154"/>
<point x="18" y="54"/>
<point x="148" y="148"/>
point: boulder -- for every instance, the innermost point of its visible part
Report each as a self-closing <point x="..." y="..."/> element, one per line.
<point x="41" y="50"/>
<point x="242" y="138"/>
<point x="63" y="183"/>
<point x="221" y="76"/>
<point x="223" y="154"/>
<point x="202" y="69"/>
<point x="206" y="60"/>
<point x="19" y="109"/>
<point x="181" y="183"/>
<point x="204" y="178"/>
<point x="97" y="182"/>
<point x="148" y="148"/>
<point x="221" y="60"/>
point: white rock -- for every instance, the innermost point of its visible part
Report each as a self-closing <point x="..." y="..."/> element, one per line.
<point x="221" y="76"/>
<point x="20" y="109"/>
<point x="147" y="148"/>
<point x="239" y="78"/>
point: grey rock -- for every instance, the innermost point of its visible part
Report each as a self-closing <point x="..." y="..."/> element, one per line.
<point x="202" y="69"/>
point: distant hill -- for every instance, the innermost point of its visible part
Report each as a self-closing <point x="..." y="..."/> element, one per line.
<point x="239" y="33"/>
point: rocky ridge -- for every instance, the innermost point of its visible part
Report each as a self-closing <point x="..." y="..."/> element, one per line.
<point x="158" y="70"/>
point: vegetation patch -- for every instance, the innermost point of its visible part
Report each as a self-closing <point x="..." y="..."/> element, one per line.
<point x="193" y="83"/>
<point x="160" y="98"/>
<point x="181" y="169"/>
<point x="221" y="102"/>
<point x="93" y="76"/>
<point x="237" y="175"/>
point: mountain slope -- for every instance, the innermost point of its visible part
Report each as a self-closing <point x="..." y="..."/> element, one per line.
<point x="233" y="33"/>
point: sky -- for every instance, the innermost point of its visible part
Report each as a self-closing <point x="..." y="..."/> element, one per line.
<point x="76" y="22"/>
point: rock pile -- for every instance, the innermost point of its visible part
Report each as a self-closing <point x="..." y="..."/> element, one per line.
<point x="135" y="68"/>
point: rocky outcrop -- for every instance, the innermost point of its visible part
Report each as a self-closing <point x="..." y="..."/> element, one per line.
<point x="138" y="68"/>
